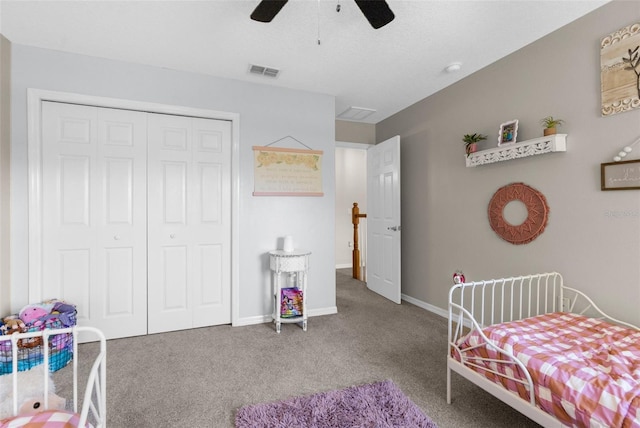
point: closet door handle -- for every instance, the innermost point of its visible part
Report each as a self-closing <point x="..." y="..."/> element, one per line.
<point x="116" y="237"/>
<point x="172" y="236"/>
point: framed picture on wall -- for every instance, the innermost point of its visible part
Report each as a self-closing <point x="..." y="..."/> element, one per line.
<point x="620" y="70"/>
<point x="508" y="133"/>
<point x="623" y="175"/>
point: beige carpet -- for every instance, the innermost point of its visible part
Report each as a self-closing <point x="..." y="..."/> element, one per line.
<point x="199" y="378"/>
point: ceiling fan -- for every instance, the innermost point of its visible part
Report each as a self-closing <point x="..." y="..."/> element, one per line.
<point x="377" y="12"/>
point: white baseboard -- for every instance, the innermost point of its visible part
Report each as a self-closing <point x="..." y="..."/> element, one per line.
<point x="424" y="305"/>
<point x="323" y="311"/>
<point x="261" y="319"/>
<point x="433" y="309"/>
<point x="344" y="266"/>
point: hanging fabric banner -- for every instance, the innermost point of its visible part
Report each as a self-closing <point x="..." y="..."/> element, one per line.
<point x="287" y="172"/>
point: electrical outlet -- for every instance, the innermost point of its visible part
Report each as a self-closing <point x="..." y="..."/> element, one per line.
<point x="350" y="244"/>
<point x="566" y="304"/>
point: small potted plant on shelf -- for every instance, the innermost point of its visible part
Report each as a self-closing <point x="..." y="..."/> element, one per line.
<point x="550" y="124"/>
<point x="471" y="142"/>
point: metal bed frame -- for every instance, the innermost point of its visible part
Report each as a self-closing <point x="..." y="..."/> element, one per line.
<point x="94" y="403"/>
<point x="476" y="305"/>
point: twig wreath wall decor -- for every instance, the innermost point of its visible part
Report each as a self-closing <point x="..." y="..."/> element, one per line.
<point x="620" y="70"/>
<point x="537" y="213"/>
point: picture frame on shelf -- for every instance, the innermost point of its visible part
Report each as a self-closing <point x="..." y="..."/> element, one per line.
<point x="624" y="175"/>
<point x="508" y="133"/>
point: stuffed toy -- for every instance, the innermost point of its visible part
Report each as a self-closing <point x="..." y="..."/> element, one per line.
<point x="47" y="313"/>
<point x="30" y="393"/>
<point x="12" y="324"/>
<point x="33" y="314"/>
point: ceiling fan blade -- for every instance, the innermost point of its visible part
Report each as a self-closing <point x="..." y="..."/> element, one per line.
<point x="267" y="10"/>
<point x="377" y="12"/>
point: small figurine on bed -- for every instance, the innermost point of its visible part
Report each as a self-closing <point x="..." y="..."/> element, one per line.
<point x="30" y="393"/>
<point x="458" y="277"/>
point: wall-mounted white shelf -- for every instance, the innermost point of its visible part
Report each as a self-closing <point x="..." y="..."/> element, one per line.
<point x="536" y="146"/>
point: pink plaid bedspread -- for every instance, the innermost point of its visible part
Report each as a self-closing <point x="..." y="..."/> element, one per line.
<point x="46" y="419"/>
<point x="585" y="371"/>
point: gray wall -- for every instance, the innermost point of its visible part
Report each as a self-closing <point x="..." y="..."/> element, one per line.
<point x="355" y="132"/>
<point x="5" y="153"/>
<point x="266" y="114"/>
<point x="592" y="237"/>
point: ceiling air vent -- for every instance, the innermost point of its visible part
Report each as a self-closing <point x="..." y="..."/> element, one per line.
<point x="264" y="71"/>
<point x="356" y="113"/>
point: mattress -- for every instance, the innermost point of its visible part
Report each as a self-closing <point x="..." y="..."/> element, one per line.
<point x="585" y="371"/>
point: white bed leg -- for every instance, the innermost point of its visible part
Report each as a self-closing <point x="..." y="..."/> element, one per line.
<point x="448" y="384"/>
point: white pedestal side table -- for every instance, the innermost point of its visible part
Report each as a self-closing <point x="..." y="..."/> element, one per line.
<point x="289" y="270"/>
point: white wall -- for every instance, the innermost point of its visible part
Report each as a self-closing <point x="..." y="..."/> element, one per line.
<point x="266" y="114"/>
<point x="444" y="204"/>
<point x="5" y="157"/>
<point x="351" y="186"/>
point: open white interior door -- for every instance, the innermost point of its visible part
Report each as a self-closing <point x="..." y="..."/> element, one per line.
<point x="383" y="219"/>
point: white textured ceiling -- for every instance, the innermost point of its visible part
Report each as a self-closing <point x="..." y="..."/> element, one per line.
<point x="386" y="69"/>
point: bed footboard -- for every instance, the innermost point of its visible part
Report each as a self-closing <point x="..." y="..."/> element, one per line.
<point x="94" y="406"/>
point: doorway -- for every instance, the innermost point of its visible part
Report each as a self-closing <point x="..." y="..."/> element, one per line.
<point x="351" y="186"/>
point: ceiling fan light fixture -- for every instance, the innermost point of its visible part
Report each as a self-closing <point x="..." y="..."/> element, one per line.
<point x="267" y="10"/>
<point x="377" y="12"/>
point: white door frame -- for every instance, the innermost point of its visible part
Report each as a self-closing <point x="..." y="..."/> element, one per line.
<point x="35" y="98"/>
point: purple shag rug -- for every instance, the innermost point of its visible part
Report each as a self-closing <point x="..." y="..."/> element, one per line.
<point x="379" y="405"/>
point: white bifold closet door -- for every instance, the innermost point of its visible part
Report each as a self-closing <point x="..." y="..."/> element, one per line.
<point x="94" y="214"/>
<point x="189" y="222"/>
<point x="136" y="218"/>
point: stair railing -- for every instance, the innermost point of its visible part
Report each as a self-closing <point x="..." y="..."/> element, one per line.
<point x="356" y="261"/>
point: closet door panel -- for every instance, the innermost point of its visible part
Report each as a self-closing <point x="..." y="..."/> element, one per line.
<point x="209" y="282"/>
<point x="211" y="216"/>
<point x="210" y="182"/>
<point x="74" y="182"/>
<point x="174" y="277"/>
<point x="120" y="281"/>
<point x="189" y="159"/>
<point x="174" y="195"/>
<point x="75" y="274"/>
<point x="169" y="248"/>
<point x="94" y="197"/>
<point x="118" y="183"/>
<point x="122" y="216"/>
<point x="69" y="139"/>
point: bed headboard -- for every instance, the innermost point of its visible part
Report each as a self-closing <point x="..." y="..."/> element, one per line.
<point x="507" y="299"/>
<point x="482" y="303"/>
